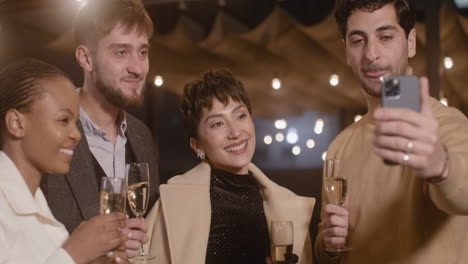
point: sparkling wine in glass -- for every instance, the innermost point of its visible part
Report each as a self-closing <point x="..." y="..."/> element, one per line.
<point x="336" y="188"/>
<point x="138" y="195"/>
<point x="113" y="194"/>
<point x="282" y="238"/>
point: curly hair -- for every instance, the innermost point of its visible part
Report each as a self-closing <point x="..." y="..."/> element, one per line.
<point x="99" y="17"/>
<point x="199" y="94"/>
<point x="20" y="86"/>
<point x="404" y="11"/>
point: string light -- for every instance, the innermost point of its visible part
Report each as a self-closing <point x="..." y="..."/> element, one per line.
<point x="334" y="80"/>
<point x="296" y="150"/>
<point x="310" y="143"/>
<point x="318" y="129"/>
<point x="268" y="139"/>
<point x="292" y="136"/>
<point x="448" y="63"/>
<point x="279" y="137"/>
<point x="281" y="124"/>
<point x="158" y="80"/>
<point x="276" y="83"/>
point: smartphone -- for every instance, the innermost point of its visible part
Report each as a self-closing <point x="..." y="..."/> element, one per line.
<point x="401" y="92"/>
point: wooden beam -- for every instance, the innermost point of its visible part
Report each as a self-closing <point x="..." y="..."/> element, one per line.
<point x="432" y="21"/>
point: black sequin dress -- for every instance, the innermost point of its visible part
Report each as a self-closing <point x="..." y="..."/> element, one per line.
<point x="238" y="230"/>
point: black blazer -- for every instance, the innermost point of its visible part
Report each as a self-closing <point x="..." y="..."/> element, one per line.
<point x="74" y="197"/>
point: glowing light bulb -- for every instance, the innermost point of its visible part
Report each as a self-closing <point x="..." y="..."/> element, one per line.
<point x="276" y="83"/>
<point x="296" y="150"/>
<point x="158" y="80"/>
<point x="318" y="129"/>
<point x="279" y="137"/>
<point x="448" y="63"/>
<point x="268" y="139"/>
<point x="292" y="136"/>
<point x="310" y="143"/>
<point x="334" y="80"/>
<point x="281" y="124"/>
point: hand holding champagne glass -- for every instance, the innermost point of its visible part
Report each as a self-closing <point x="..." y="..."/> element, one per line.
<point x="138" y="195"/>
<point x="336" y="189"/>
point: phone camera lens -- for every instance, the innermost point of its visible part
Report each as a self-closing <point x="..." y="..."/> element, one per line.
<point x="392" y="88"/>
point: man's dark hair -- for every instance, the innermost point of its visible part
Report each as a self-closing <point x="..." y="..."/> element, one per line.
<point x="404" y="12"/>
<point x="199" y="94"/>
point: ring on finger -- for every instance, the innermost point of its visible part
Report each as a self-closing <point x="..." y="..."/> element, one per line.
<point x="406" y="159"/>
<point x="409" y="147"/>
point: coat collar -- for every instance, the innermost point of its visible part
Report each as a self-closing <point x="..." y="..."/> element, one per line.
<point x="15" y="189"/>
<point x="186" y="208"/>
<point x="18" y="195"/>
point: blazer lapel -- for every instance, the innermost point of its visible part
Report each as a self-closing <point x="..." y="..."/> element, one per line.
<point x="187" y="214"/>
<point x="82" y="179"/>
<point x="134" y="139"/>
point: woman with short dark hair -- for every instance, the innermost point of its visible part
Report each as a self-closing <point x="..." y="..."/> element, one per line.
<point x="220" y="211"/>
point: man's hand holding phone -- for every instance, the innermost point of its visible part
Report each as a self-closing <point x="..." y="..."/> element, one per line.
<point x="412" y="138"/>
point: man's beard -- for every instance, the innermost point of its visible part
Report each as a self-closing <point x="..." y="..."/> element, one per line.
<point x="115" y="96"/>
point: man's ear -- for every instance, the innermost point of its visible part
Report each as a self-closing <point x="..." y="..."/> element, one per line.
<point x="15" y="123"/>
<point x="83" y="56"/>
<point x="412" y="43"/>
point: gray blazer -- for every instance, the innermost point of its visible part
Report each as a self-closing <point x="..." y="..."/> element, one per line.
<point x="74" y="197"/>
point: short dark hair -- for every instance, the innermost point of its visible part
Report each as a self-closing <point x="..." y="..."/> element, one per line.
<point x="404" y="10"/>
<point x="99" y="17"/>
<point x="20" y="85"/>
<point x="199" y="94"/>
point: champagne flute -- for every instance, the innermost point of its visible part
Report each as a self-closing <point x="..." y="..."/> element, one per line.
<point x="282" y="238"/>
<point x="138" y="195"/>
<point x="113" y="191"/>
<point x="336" y="188"/>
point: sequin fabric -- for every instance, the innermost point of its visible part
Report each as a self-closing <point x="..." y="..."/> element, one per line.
<point x="238" y="231"/>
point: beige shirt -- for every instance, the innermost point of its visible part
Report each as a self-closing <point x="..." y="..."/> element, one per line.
<point x="28" y="231"/>
<point x="394" y="216"/>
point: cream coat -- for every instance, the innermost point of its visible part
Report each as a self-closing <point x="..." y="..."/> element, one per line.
<point x="29" y="233"/>
<point x="179" y="223"/>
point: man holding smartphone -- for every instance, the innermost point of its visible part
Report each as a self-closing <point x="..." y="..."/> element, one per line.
<point x="412" y="211"/>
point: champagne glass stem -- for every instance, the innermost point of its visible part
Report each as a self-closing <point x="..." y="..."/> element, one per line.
<point x="142" y="251"/>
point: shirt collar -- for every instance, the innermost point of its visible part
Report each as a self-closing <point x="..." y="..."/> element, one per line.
<point x="91" y="129"/>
